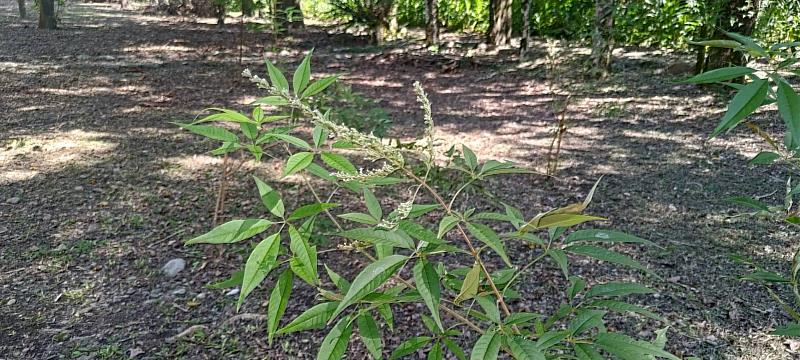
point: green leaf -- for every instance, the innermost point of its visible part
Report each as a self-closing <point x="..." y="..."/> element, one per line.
<point x="297" y="162"/>
<point x="728" y="44"/>
<point x="628" y="348"/>
<point x="765" y="158"/>
<point x="359" y="218"/>
<point x="749" y="202"/>
<point x="260" y="262"/>
<point x="277" y="302"/>
<point x="560" y="259"/>
<point x="789" y="108"/>
<point x="410" y="346"/>
<point x="385" y="310"/>
<point x="427" y="280"/>
<point x="616" y="288"/>
<point x="304" y="261"/>
<point x="487" y="236"/>
<point x="249" y="130"/>
<point x="335" y="343"/>
<point x="602" y="235"/>
<point x="276" y="77"/>
<point x="318" y="86"/>
<point x="576" y="285"/>
<point x="558" y="220"/>
<point x="273" y="100"/>
<point x="310" y="210"/>
<point x="373" y="205"/>
<point x="378" y="237"/>
<point x="469" y="288"/>
<point x="232" y="231"/>
<point x="372" y="277"/>
<point x="302" y="75"/>
<point x="320" y="172"/>
<point x="722" y="74"/>
<point x="469" y="157"/>
<point x="745" y="102"/>
<point x="487" y="347"/>
<point x="454" y="348"/>
<point x="748" y="44"/>
<point x="370" y="335"/>
<point x="292" y="140"/>
<point x="418" y="232"/>
<point x="338" y="162"/>
<point x="586" y="320"/>
<point x="604" y="254"/>
<point x="234" y="281"/>
<point x="270" y="197"/>
<point x="620" y="306"/>
<point x="341" y="283"/>
<point x="436" y="352"/>
<point x="211" y="132"/>
<point x="489" y="306"/>
<point x="314" y="318"/>
<point x="587" y="352"/>
<point x="551" y="338"/>
<point x="418" y="210"/>
<point x="792" y="329"/>
<point x="446" y="224"/>
<point x="523" y="349"/>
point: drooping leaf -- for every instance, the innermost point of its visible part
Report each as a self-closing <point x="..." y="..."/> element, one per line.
<point x="297" y="162"/>
<point x="277" y="302"/>
<point x="489" y="306"/>
<point x="744" y="103"/>
<point x="260" y="262"/>
<point x="454" y="348"/>
<point x="314" y="318"/>
<point x="487" y="236"/>
<point x="373" y="276"/>
<point x="487" y="347"/>
<point x="270" y="197"/>
<point x="436" y="352"/>
<point x="232" y="231"/>
<point x="334" y="345"/>
<point x="370" y="335"/>
<point x="427" y="281"/>
<point x="728" y="44"/>
<point x="560" y="259"/>
<point x="304" y="259"/>
<point x="470" y="285"/>
<point x="385" y="310"/>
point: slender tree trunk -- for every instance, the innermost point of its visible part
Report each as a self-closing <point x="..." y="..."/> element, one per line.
<point x="220" y="12"/>
<point x="737" y="16"/>
<point x="22" y="14"/>
<point x="602" y="37"/>
<point x="525" y="43"/>
<point x="500" y="12"/>
<point x="289" y="15"/>
<point x="47" y="16"/>
<point x="431" y="22"/>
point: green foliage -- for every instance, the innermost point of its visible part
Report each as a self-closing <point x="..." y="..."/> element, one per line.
<point x="460" y="269"/>
<point x="758" y="91"/>
<point x="350" y="108"/>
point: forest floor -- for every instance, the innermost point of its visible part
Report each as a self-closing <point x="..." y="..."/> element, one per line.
<point x="98" y="189"/>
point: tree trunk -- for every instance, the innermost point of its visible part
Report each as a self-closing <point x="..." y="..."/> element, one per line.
<point x="21" y="4"/>
<point x="525" y="42"/>
<point x="500" y="12"/>
<point x="602" y="37"/>
<point x="220" y="9"/>
<point x="431" y="23"/>
<point x="737" y="16"/>
<point x="47" y="16"/>
<point x="289" y="16"/>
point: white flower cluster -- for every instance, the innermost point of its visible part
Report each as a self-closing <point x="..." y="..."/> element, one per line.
<point x="401" y="213"/>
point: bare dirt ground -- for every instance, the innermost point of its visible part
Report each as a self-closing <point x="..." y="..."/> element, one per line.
<point x="98" y="189"/>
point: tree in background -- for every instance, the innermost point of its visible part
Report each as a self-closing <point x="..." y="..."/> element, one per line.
<point x="736" y="16"/>
<point x="21" y="4"/>
<point x="602" y="37"/>
<point x="47" y="15"/>
<point x="288" y="14"/>
<point x="525" y="42"/>
<point x="431" y="23"/>
<point x="500" y="25"/>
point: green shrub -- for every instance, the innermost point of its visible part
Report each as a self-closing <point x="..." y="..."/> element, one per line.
<point x="425" y="250"/>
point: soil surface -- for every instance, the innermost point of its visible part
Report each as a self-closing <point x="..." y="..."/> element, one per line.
<point x="98" y="189"/>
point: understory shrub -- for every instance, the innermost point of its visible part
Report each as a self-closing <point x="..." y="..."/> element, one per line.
<point x="425" y="249"/>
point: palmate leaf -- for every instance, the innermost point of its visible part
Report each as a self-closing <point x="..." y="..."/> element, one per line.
<point x="487" y="347"/>
<point x="314" y="318"/>
<point x="427" y="280"/>
<point x="277" y="302"/>
<point x="260" y="262"/>
<point x="628" y="348"/>
<point x="372" y="277"/>
<point x="232" y="231"/>
<point x="335" y="343"/>
<point x="747" y="100"/>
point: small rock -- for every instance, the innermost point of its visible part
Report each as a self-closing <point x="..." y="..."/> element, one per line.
<point x="173" y="267"/>
<point x="61" y="247"/>
<point x="78" y="188"/>
<point x="11" y="302"/>
<point x="13" y="200"/>
<point x="180" y="291"/>
<point x="673" y="207"/>
<point x="674" y="279"/>
<point x="200" y="296"/>
<point x="132" y="353"/>
<point x="232" y="292"/>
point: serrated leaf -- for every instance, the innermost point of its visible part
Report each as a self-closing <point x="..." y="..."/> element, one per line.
<point x="277" y="302"/>
<point x="523" y="349"/>
<point x="292" y="140"/>
<point x="373" y="205"/>
<point x="304" y="259"/>
<point x="551" y="338"/>
<point x="338" y="162"/>
<point x="260" y="262"/>
<point x="297" y="162"/>
<point x="211" y="132"/>
<point x="232" y="231"/>
<point x="410" y="346"/>
<point x="314" y="318"/>
<point x="469" y="157"/>
<point x="469" y="288"/>
<point x="446" y="224"/>
<point x="560" y="259"/>
<point x="359" y="218"/>
<point x="616" y="288"/>
<point x="552" y="220"/>
<point x="576" y="285"/>
<point x="606" y="255"/>
<point x="628" y="348"/>
<point x="586" y="320"/>
<point x="318" y="86"/>
<point x="722" y="74"/>
<point x="335" y="343"/>
<point x="370" y="335"/>
<point x="436" y="352"/>
<point x="487" y="347"/>
<point x="302" y="74"/>
<point x="310" y="210"/>
<point x="378" y="237"/>
<point x="270" y="197"/>
<point x="487" y="236"/>
<point x="427" y="281"/>
<point x="373" y="276"/>
<point x="276" y="77"/>
<point x="489" y="306"/>
<point x="341" y="283"/>
<point x="418" y="232"/>
<point x="385" y="310"/>
<point x="272" y="100"/>
<point x="747" y="100"/>
<point x="602" y="235"/>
